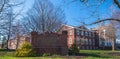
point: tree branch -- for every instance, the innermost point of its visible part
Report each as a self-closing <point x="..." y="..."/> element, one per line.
<point x="103" y="21"/>
<point x="2" y="6"/>
<point x="117" y="3"/>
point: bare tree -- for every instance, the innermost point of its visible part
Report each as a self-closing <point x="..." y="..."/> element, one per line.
<point x="86" y="2"/>
<point x="44" y="17"/>
<point x="7" y="16"/>
<point x="2" y="4"/>
<point x="116" y="14"/>
<point x="17" y="32"/>
<point x="116" y="2"/>
<point x="111" y="34"/>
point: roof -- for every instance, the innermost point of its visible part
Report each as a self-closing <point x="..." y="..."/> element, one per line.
<point x="75" y="27"/>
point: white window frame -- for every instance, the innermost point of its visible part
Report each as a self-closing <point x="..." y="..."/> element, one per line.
<point x="70" y="40"/>
<point x="70" y="32"/>
<point x="77" y="32"/>
<point x="87" y="41"/>
<point x="82" y="33"/>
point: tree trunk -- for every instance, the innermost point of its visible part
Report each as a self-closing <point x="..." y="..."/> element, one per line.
<point x="7" y="47"/>
<point x="113" y="44"/>
<point x="17" y="43"/>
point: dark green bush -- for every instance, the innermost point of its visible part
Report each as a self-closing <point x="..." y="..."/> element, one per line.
<point x="7" y="50"/>
<point x="25" y="50"/>
<point x="46" y="54"/>
<point x="56" y="55"/>
<point x="73" y="49"/>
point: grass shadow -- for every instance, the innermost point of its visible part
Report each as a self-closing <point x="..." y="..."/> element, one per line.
<point x="96" y="55"/>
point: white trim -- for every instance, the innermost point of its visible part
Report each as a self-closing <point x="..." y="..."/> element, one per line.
<point x="78" y="28"/>
<point x="68" y="25"/>
<point x="72" y="27"/>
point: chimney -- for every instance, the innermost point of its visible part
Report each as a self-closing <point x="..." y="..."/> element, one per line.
<point x="64" y="32"/>
<point x="34" y="35"/>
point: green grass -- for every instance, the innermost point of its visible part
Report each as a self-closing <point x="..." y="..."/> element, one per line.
<point x="5" y="52"/>
<point x="101" y="58"/>
<point x="9" y="54"/>
<point x="30" y="58"/>
<point x="99" y="54"/>
<point x="89" y="54"/>
<point x="97" y="51"/>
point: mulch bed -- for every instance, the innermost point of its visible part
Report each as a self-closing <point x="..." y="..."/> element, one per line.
<point x="68" y="57"/>
<point x="114" y="53"/>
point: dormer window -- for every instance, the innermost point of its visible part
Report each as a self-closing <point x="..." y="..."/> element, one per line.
<point x="70" y="32"/>
<point x="77" y="32"/>
<point x="86" y="33"/>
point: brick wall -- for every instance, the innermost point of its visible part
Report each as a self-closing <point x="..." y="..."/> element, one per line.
<point x="84" y="38"/>
<point x="50" y="43"/>
<point x="12" y="43"/>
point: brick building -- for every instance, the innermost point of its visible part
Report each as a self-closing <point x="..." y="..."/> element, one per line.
<point x="81" y="36"/>
<point x="106" y="33"/>
<point x="12" y="43"/>
<point x="52" y="43"/>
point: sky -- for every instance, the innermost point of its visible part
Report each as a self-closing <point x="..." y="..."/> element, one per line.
<point x="76" y="12"/>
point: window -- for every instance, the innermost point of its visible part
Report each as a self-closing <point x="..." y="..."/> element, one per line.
<point x="90" y="41"/>
<point x="77" y="40"/>
<point x="100" y="42"/>
<point x="82" y="33"/>
<point x="90" y="47"/>
<point x="70" y="40"/>
<point x="86" y="41"/>
<point x="82" y="41"/>
<point x="86" y="33"/>
<point x="78" y="47"/>
<point x="93" y="34"/>
<point x="90" y="34"/>
<point x="82" y="47"/>
<point x="93" y="42"/>
<point x="105" y="43"/>
<point x="87" y="47"/>
<point x="70" y="32"/>
<point x="77" y="32"/>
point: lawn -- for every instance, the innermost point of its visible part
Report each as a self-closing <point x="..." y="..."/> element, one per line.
<point x="84" y="54"/>
<point x="29" y="58"/>
<point x="100" y="54"/>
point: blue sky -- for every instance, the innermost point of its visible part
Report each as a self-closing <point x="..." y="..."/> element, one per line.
<point x="76" y="12"/>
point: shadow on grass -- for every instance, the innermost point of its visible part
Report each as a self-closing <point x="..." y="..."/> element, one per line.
<point x="6" y="52"/>
<point x="96" y="55"/>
